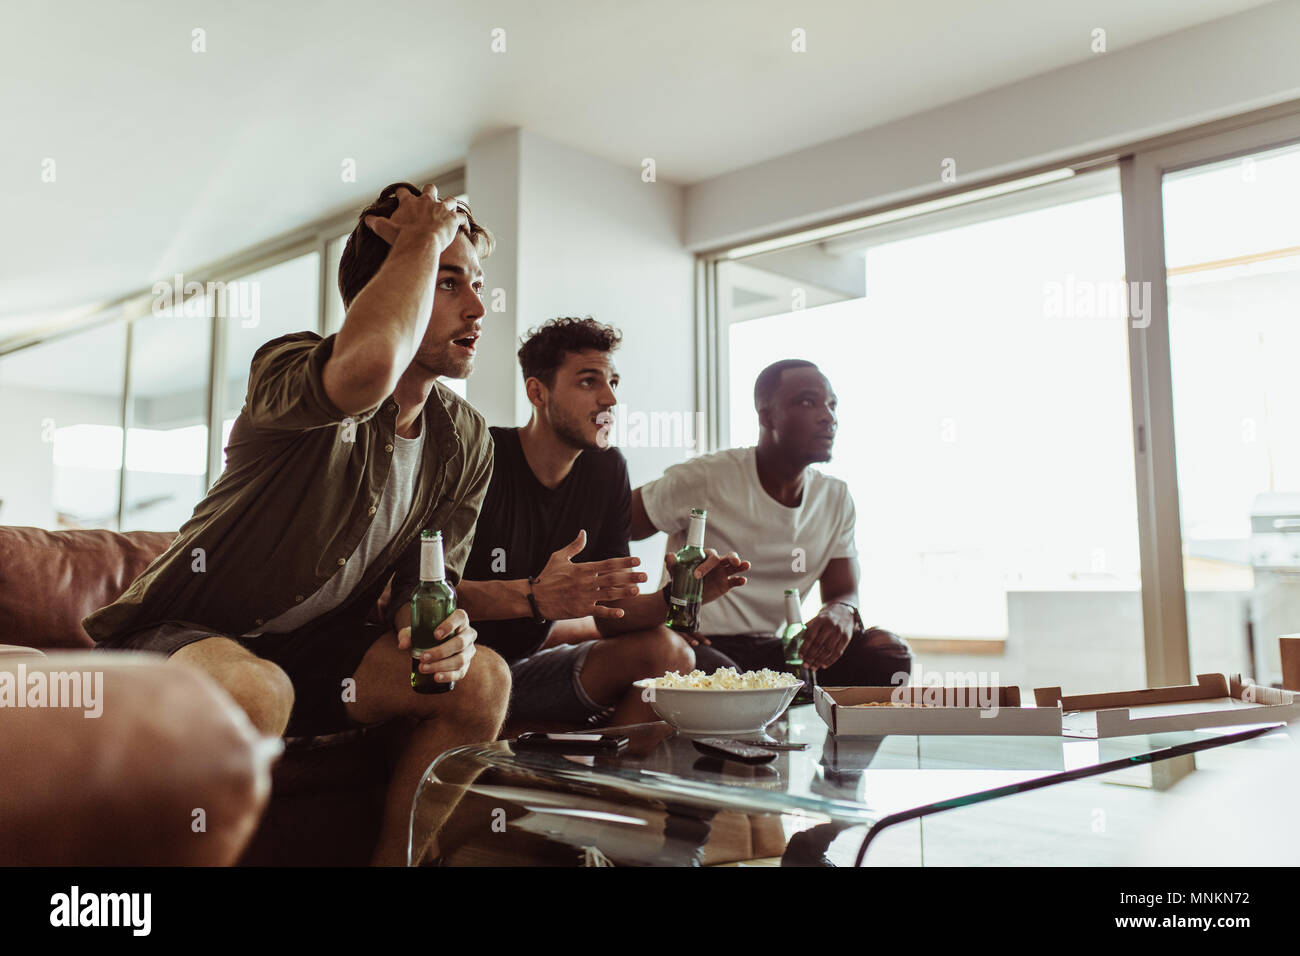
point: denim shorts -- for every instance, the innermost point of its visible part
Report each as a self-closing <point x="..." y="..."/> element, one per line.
<point x="546" y="688"/>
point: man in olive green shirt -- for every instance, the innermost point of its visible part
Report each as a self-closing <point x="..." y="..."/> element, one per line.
<point x="345" y="449"/>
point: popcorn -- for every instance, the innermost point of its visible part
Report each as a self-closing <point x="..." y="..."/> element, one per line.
<point x="726" y="678"/>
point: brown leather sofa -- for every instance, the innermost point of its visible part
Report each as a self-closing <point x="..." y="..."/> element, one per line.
<point x="326" y="797"/>
<point x="135" y="762"/>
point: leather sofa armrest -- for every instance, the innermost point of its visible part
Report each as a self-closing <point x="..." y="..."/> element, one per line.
<point x="170" y="772"/>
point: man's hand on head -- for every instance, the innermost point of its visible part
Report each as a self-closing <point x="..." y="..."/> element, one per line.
<point x="420" y="218"/>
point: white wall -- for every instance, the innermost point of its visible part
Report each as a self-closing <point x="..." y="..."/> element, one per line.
<point x="1217" y="69"/>
<point x="580" y="236"/>
<point x="492" y="171"/>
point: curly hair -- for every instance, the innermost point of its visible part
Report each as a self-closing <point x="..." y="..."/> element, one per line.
<point x="542" y="351"/>
<point x="365" y="252"/>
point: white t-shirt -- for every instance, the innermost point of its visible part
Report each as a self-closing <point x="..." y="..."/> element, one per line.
<point x="788" y="547"/>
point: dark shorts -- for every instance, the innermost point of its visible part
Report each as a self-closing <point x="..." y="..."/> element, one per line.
<point x="545" y="687"/>
<point x="874" y="658"/>
<point x="318" y="657"/>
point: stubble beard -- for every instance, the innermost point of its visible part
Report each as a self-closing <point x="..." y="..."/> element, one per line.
<point x="446" y="365"/>
<point x="572" y="434"/>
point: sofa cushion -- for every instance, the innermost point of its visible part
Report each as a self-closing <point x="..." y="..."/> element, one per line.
<point x="50" y="580"/>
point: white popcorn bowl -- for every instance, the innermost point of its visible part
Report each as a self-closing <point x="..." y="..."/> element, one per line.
<point x="713" y="712"/>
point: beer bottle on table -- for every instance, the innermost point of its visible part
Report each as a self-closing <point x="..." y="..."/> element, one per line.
<point x="792" y="645"/>
<point x="431" y="604"/>
<point x="687" y="590"/>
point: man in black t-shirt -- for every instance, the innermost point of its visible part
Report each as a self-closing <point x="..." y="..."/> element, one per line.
<point x="549" y="583"/>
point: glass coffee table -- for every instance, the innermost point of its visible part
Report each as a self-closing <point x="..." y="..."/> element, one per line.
<point x="661" y="802"/>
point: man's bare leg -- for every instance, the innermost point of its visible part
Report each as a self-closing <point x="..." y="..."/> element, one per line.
<point x="615" y="662"/>
<point x="471" y="713"/>
<point x="259" y="686"/>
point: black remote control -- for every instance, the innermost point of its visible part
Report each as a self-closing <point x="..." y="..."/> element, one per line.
<point x="726" y="749"/>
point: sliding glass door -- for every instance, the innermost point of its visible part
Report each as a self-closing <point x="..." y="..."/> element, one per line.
<point x="1069" y="414"/>
<point x="1232" y="260"/>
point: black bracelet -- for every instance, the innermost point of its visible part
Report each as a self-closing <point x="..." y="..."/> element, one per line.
<point x="532" y="603"/>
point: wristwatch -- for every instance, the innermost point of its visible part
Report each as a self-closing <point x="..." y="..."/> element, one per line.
<point x="857" y="618"/>
<point x="532" y="603"/>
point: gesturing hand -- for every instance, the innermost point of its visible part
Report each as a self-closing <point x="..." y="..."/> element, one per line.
<point x="720" y="573"/>
<point x="565" y="590"/>
<point x="420" y="217"/>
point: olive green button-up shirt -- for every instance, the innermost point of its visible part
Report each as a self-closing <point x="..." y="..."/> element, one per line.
<point x="301" y="486"/>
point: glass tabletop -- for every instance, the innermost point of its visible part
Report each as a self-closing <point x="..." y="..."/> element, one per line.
<point x="842" y="781"/>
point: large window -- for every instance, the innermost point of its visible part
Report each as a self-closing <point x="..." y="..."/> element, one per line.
<point x="1234" y="332"/>
<point x="286" y="299"/>
<point x="984" y="421"/>
<point x="1068" y="412"/>
<point x="61" y="430"/>
<point x="167" y="417"/>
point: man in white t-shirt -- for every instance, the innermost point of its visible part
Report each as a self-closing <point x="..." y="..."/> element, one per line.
<point x="793" y="523"/>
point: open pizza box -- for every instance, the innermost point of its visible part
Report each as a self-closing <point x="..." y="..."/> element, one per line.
<point x="931" y="709"/>
<point x="1213" y="701"/>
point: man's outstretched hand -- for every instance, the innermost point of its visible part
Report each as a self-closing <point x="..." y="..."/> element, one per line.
<point x="565" y="590"/>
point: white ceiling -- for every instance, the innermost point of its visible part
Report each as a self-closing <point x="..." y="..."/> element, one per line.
<point x="167" y="159"/>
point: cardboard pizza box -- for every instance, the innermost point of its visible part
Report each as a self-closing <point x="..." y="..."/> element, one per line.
<point x="1213" y="701"/>
<point x="984" y="710"/>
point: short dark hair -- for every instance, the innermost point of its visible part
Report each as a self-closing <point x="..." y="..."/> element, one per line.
<point x="542" y="351"/>
<point x="365" y="252"/>
<point x="766" y="384"/>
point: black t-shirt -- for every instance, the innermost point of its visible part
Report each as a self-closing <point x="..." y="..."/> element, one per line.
<point x="522" y="523"/>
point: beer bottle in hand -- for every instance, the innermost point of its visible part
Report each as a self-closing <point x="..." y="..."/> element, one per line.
<point x="792" y="645"/>
<point x="431" y="604"/>
<point x="687" y="589"/>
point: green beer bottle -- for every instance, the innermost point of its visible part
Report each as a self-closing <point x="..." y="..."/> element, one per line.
<point x="792" y="645"/>
<point x="431" y="604"/>
<point x="687" y="589"/>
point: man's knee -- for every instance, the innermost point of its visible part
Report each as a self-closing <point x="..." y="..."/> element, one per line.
<point x="259" y="686"/>
<point x="485" y="688"/>
<point x="886" y="656"/>
<point x="660" y="651"/>
<point x="265" y="692"/>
